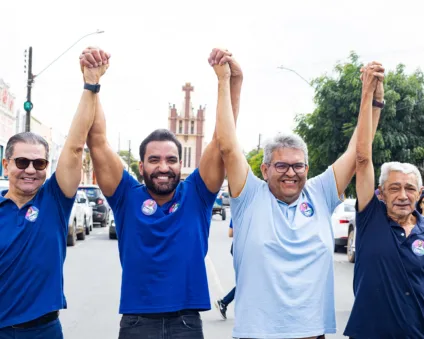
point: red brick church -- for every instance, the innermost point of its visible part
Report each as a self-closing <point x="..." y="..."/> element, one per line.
<point x="188" y="126"/>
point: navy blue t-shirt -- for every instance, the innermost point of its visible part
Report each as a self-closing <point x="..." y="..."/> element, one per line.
<point x="32" y="253"/>
<point x="388" y="278"/>
<point x="162" y="248"/>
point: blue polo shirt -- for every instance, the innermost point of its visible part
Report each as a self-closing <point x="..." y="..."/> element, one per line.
<point x="389" y="277"/>
<point x="32" y="253"/>
<point x="162" y="248"/>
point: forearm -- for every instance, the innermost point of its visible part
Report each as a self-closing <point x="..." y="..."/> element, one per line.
<point x="81" y="124"/>
<point x="235" y="90"/>
<point x="366" y="128"/>
<point x="225" y="124"/>
<point x="68" y="172"/>
<point x="97" y="134"/>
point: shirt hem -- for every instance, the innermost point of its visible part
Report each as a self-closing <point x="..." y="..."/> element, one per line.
<point x="162" y="309"/>
<point x="284" y="335"/>
<point x="24" y="318"/>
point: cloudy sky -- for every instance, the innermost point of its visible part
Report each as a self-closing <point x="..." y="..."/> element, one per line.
<point x="157" y="46"/>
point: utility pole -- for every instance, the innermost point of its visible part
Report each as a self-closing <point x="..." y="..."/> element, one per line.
<point x="129" y="154"/>
<point x="28" y="104"/>
<point x="259" y="144"/>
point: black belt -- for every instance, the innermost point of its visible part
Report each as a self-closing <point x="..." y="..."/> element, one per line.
<point x="44" y="319"/>
<point x="165" y="314"/>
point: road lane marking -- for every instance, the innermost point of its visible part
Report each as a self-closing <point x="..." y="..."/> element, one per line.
<point x="214" y="274"/>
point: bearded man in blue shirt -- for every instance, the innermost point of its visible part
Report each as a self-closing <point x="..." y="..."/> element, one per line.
<point x="162" y="227"/>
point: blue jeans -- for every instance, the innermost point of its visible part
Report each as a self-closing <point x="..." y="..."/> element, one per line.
<point x="51" y="330"/>
<point x="229" y="297"/>
<point x="188" y="326"/>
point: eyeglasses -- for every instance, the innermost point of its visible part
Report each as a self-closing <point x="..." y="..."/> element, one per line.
<point x="283" y="167"/>
<point x="23" y="163"/>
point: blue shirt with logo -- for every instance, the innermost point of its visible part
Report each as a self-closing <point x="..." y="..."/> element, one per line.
<point x="283" y="258"/>
<point x="32" y="253"/>
<point x="388" y="278"/>
<point x="162" y="248"/>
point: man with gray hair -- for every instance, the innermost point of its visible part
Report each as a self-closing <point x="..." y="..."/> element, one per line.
<point x="283" y="240"/>
<point x="389" y="269"/>
<point x="34" y="216"/>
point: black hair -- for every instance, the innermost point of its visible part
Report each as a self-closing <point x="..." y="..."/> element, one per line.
<point x="159" y="135"/>
<point x="419" y="209"/>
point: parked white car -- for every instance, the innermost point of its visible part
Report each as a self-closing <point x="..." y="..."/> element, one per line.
<point x="4" y="184"/>
<point x="343" y="222"/>
<point x="81" y="220"/>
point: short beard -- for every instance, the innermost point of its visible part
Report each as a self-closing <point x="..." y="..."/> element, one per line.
<point x="163" y="189"/>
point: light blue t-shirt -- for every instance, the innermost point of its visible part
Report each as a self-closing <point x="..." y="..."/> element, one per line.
<point x="284" y="266"/>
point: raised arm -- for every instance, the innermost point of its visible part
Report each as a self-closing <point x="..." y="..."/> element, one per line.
<point x="108" y="167"/>
<point x="344" y="167"/>
<point x="234" y="161"/>
<point x="372" y="79"/>
<point x="68" y="172"/>
<point x="211" y="166"/>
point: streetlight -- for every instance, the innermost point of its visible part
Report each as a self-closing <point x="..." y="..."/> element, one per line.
<point x="292" y="70"/>
<point x="28" y="104"/>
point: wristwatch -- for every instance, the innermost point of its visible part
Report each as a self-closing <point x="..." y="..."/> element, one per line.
<point x="94" y="88"/>
<point x="378" y="104"/>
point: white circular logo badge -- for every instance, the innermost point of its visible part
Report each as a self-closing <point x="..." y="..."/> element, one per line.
<point x="418" y="247"/>
<point x="149" y="207"/>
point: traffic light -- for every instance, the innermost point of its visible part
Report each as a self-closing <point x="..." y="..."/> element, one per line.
<point x="28" y="106"/>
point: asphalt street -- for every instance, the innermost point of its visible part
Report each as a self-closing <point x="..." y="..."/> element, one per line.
<point x="93" y="279"/>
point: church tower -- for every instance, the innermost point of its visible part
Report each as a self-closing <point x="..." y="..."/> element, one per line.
<point x="188" y="126"/>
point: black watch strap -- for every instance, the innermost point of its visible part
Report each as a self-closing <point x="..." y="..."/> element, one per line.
<point x="94" y="88"/>
<point x="378" y="104"/>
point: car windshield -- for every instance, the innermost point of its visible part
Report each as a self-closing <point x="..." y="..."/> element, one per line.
<point x="92" y="193"/>
<point x="349" y="208"/>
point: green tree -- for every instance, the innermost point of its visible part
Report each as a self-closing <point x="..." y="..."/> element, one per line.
<point x="133" y="163"/>
<point x="254" y="158"/>
<point x="328" y="129"/>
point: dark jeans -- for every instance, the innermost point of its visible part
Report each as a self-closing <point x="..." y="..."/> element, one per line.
<point x="51" y="330"/>
<point x="186" y="326"/>
<point x="229" y="297"/>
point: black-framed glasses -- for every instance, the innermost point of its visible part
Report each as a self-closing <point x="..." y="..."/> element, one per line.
<point x="283" y="167"/>
<point x="23" y="163"/>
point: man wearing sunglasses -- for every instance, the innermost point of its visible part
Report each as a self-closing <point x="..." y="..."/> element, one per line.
<point x="34" y="216"/>
<point x="283" y="241"/>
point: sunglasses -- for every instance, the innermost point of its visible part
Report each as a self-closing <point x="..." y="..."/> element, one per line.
<point x="38" y="164"/>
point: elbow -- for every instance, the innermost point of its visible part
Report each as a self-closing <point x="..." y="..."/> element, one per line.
<point x="224" y="146"/>
<point x="362" y="158"/>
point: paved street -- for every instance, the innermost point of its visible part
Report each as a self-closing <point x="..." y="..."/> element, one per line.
<point x="92" y="286"/>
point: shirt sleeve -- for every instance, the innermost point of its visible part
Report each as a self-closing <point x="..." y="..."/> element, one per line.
<point x="242" y="202"/>
<point x="363" y="218"/>
<point x="195" y="180"/>
<point x="325" y="185"/>
<point x="118" y="198"/>
<point x="65" y="204"/>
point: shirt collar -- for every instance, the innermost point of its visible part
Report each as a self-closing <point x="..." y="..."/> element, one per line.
<point x="2" y="198"/>
<point x="419" y="229"/>
<point x="293" y="204"/>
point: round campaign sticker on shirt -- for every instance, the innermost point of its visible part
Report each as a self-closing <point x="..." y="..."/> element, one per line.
<point x="418" y="247"/>
<point x="306" y="209"/>
<point x="174" y="207"/>
<point x="149" y="207"/>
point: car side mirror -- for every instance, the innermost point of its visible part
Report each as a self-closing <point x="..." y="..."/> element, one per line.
<point x="92" y="203"/>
